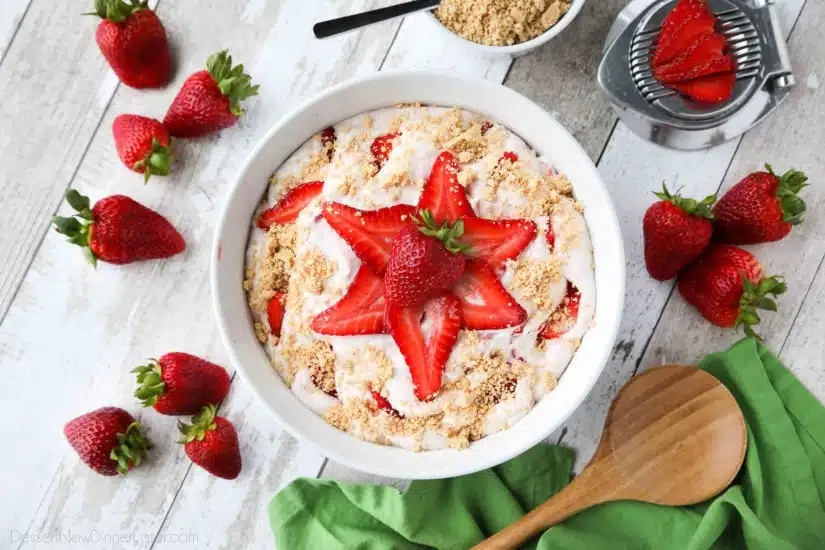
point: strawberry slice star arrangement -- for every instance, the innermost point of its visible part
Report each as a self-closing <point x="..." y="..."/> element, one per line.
<point x="434" y="264"/>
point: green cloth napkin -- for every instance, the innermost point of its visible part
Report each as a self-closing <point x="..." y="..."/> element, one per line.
<point x="776" y="502"/>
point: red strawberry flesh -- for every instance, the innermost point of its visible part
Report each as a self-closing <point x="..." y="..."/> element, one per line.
<point x="689" y="20"/>
<point x="496" y="241"/>
<point x="382" y="403"/>
<point x="705" y="57"/>
<point x="485" y="303"/>
<point x="426" y="359"/>
<point x="275" y="310"/>
<point x="328" y="141"/>
<point x="381" y="148"/>
<point x="715" y="88"/>
<point x="443" y="196"/>
<point x="360" y="311"/>
<point x="565" y="316"/>
<point x="370" y="233"/>
<point x="290" y="206"/>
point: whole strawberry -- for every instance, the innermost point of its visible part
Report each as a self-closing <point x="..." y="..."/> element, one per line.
<point x="425" y="260"/>
<point x="133" y="41"/>
<point x="761" y="208"/>
<point x="727" y="285"/>
<point x="179" y="383"/>
<point x="118" y="230"/>
<point x="676" y="231"/>
<point x="108" y="440"/>
<point x="209" y="100"/>
<point x="211" y="442"/>
<point x="143" y="144"/>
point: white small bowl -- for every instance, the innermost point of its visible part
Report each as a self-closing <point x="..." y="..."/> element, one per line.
<point x="515" y="50"/>
<point x="539" y="130"/>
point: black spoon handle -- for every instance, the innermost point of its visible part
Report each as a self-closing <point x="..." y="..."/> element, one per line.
<point x="325" y="29"/>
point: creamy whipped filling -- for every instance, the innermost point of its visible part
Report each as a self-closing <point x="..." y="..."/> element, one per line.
<point x="363" y="363"/>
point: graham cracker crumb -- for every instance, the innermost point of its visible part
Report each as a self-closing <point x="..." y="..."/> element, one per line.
<point x="500" y="22"/>
<point x="274" y="266"/>
<point x="312" y="268"/>
<point x="549" y="381"/>
<point x="338" y="416"/>
<point x="533" y="279"/>
<point x="317" y="357"/>
<point x="469" y="146"/>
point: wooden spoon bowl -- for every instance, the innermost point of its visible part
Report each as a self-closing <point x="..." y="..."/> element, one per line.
<point x="674" y="436"/>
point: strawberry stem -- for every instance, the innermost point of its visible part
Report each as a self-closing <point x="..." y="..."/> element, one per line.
<point x="156" y="162"/>
<point x="118" y="11"/>
<point x="202" y="422"/>
<point x="757" y="296"/>
<point x="78" y="227"/>
<point x="130" y="450"/>
<point x="790" y="184"/>
<point x="446" y="232"/>
<point x="701" y="209"/>
<point x="151" y="384"/>
<point x="232" y="81"/>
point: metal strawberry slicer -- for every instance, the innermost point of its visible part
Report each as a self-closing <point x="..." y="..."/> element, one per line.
<point x="764" y="77"/>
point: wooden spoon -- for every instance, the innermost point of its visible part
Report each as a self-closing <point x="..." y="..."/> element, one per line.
<point x="674" y="436"/>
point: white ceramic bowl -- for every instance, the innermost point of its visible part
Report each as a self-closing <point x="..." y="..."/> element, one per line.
<point x="539" y="130"/>
<point x="516" y="49"/>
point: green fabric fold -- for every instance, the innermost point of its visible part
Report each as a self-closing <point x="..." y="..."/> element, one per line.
<point x="776" y="502"/>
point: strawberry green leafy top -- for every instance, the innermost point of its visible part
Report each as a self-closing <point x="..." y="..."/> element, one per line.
<point x="118" y="11"/>
<point x="232" y="81"/>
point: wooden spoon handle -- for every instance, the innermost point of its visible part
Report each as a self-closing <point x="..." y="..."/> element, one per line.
<point x="339" y="25"/>
<point x="581" y="493"/>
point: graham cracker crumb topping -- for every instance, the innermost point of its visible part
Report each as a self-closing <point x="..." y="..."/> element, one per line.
<point x="500" y="22"/>
<point x="313" y="268"/>
<point x="533" y="280"/>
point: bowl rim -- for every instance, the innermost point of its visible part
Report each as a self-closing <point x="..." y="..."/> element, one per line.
<point x="303" y="423"/>
<point x="514" y="49"/>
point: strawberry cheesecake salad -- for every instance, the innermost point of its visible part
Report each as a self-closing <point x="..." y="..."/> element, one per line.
<point x="419" y="276"/>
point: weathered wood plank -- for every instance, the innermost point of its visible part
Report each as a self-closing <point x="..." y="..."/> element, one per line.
<point x="631" y="169"/>
<point x="54" y="71"/>
<point x="101" y="323"/>
<point x="11" y="15"/>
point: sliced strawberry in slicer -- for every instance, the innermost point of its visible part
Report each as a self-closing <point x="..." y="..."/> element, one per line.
<point x="426" y="359"/>
<point x="370" y="233"/>
<point x="275" y="310"/>
<point x="708" y="89"/>
<point x="443" y="196"/>
<point x="360" y="311"/>
<point x="485" y="303"/>
<point x="289" y="207"/>
<point x="688" y="21"/>
<point x="381" y="148"/>
<point x="565" y="316"/>
<point x="703" y="58"/>
<point x="497" y="240"/>
<point x="382" y="403"/>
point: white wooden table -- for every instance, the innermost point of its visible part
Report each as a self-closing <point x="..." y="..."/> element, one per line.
<point x="69" y="335"/>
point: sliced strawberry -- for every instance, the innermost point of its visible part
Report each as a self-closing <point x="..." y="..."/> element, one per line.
<point x="497" y="240"/>
<point x="443" y="195"/>
<point x="565" y="316"/>
<point x="288" y="208"/>
<point x="682" y="27"/>
<point x="382" y="403"/>
<point x="485" y="303"/>
<point x="508" y="155"/>
<point x="704" y="57"/>
<point x="426" y="360"/>
<point x="708" y="89"/>
<point x="275" y="310"/>
<point x="360" y="311"/>
<point x="370" y="233"/>
<point x="328" y="141"/>
<point x="381" y="148"/>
